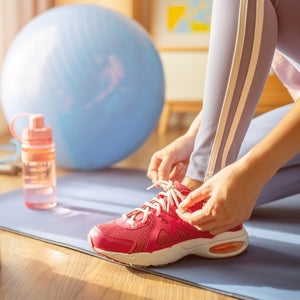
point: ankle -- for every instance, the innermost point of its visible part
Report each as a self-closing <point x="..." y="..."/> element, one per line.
<point x="192" y="184"/>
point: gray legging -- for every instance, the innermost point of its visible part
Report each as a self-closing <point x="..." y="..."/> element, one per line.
<point x="287" y="180"/>
<point x="244" y="36"/>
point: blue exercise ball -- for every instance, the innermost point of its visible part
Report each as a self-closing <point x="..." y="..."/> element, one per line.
<point x="96" y="77"/>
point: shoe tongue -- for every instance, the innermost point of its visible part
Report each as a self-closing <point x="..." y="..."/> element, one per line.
<point x="185" y="191"/>
<point x="182" y="188"/>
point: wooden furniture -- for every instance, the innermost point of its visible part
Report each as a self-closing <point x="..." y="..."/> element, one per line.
<point x="274" y="95"/>
<point x="136" y="9"/>
<point x="183" y="106"/>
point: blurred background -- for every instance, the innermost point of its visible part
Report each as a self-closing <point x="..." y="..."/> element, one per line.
<point x="184" y="62"/>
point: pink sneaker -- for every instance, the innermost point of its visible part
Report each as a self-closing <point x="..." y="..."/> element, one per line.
<point x="155" y="235"/>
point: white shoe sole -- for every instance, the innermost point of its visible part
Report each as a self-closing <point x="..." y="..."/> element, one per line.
<point x="223" y="245"/>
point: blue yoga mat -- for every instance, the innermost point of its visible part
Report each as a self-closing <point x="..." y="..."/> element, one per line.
<point x="270" y="269"/>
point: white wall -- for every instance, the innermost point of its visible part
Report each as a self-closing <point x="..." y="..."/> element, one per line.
<point x="184" y="74"/>
<point x="14" y="14"/>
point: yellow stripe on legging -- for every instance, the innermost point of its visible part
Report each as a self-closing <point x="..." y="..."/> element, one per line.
<point x="249" y="78"/>
<point x="239" y="44"/>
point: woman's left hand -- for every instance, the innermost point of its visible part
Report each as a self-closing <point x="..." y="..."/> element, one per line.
<point x="229" y="196"/>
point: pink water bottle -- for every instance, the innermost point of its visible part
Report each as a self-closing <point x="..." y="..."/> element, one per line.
<point x="38" y="163"/>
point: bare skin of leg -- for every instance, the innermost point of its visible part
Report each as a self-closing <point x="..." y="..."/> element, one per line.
<point x="192" y="184"/>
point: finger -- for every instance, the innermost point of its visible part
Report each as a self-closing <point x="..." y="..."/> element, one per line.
<point x="199" y="217"/>
<point x="178" y="172"/>
<point x="207" y="226"/>
<point x="213" y="227"/>
<point x="200" y="194"/>
<point x="152" y="175"/>
<point x="183" y="215"/>
<point x="195" y="218"/>
<point x="217" y="229"/>
<point x="152" y="172"/>
<point x="165" y="169"/>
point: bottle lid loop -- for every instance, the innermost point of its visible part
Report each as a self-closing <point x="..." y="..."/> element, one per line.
<point x="36" y="132"/>
<point x="12" y="124"/>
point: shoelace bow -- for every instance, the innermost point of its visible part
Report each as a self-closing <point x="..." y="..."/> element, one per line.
<point x="169" y="196"/>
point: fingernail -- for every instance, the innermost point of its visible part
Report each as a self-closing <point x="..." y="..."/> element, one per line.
<point x="181" y="205"/>
<point x="179" y="211"/>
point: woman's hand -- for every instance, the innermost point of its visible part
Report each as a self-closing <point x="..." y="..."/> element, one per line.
<point x="171" y="162"/>
<point x="231" y="194"/>
<point x="229" y="197"/>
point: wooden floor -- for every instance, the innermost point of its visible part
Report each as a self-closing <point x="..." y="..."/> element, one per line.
<point x="32" y="269"/>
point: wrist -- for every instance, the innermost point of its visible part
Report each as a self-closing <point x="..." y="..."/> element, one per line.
<point x="188" y="139"/>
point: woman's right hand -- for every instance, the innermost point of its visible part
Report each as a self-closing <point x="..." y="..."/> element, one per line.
<point x="171" y="162"/>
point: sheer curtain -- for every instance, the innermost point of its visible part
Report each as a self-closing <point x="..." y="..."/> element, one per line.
<point x="14" y="14"/>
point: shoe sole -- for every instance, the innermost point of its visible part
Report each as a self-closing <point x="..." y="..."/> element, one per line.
<point x="227" y="244"/>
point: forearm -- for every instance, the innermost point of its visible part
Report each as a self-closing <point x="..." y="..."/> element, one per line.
<point x="194" y="127"/>
<point x="279" y="146"/>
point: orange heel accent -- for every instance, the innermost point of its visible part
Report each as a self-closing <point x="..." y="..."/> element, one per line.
<point x="226" y="247"/>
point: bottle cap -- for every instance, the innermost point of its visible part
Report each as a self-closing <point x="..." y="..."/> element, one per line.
<point x="36" y="133"/>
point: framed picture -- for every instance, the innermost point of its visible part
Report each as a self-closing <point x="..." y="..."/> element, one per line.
<point x="181" y="24"/>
